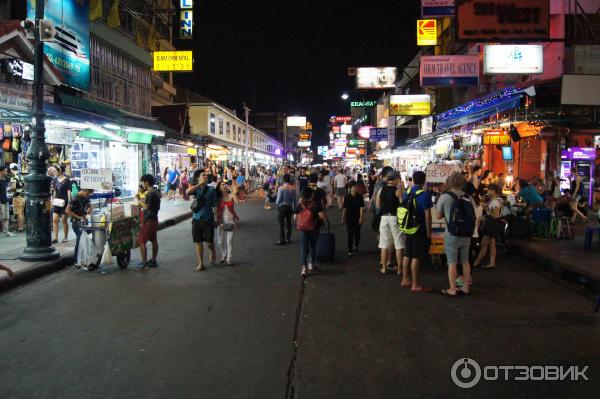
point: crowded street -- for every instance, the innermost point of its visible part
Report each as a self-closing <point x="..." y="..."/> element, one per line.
<point x="258" y="330"/>
<point x="300" y="201"/>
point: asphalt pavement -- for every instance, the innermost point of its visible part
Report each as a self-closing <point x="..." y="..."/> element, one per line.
<point x="257" y="330"/>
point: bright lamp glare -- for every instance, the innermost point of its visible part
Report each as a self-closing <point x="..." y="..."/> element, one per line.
<point x="345" y="96"/>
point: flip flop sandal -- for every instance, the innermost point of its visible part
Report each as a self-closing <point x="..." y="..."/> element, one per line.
<point x="488" y="267"/>
<point x="408" y="285"/>
<point x="463" y="292"/>
<point x="447" y="293"/>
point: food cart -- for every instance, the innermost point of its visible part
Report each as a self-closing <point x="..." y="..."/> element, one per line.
<point x="108" y="222"/>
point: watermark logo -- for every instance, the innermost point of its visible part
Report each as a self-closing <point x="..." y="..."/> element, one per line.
<point x="466" y="373"/>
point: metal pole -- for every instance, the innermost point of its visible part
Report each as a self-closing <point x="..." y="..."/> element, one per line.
<point x="246" y="112"/>
<point x="37" y="183"/>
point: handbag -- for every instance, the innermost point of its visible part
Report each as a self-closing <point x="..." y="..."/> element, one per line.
<point x="59" y="203"/>
<point x="228" y="226"/>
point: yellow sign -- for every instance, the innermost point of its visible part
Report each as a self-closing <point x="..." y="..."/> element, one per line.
<point x="427" y="32"/>
<point x="416" y="104"/>
<point x="173" y="61"/>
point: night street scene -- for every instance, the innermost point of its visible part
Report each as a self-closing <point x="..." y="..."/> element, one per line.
<point x="299" y="200"/>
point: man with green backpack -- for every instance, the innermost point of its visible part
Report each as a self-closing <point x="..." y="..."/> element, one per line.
<point x="414" y="220"/>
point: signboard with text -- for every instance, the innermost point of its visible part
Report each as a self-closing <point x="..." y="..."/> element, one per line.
<point x="449" y="70"/>
<point x="522" y="59"/>
<point x="186" y="19"/>
<point x="437" y="8"/>
<point x="427" y="32"/>
<point x="413" y="104"/>
<point x="97" y="179"/>
<point x="439" y="172"/>
<point x="495" y="137"/>
<point x="376" y="78"/>
<point x="360" y="104"/>
<point x="503" y="20"/>
<point x="377" y="134"/>
<point x="173" y="61"/>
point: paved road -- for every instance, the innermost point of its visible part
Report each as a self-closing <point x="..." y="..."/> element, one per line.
<point x="230" y="332"/>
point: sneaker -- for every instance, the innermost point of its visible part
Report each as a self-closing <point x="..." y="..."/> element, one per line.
<point x="142" y="265"/>
<point x="288" y="241"/>
<point x="310" y="268"/>
<point x="9" y="234"/>
<point x="349" y="253"/>
<point x="152" y="263"/>
<point x="355" y="250"/>
<point x="280" y="243"/>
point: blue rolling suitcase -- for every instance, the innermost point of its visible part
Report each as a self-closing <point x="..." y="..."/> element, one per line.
<point x="326" y="246"/>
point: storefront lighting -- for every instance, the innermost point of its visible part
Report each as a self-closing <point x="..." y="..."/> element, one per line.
<point x="158" y="133"/>
<point x="106" y="132"/>
<point x="68" y="124"/>
<point x="111" y="126"/>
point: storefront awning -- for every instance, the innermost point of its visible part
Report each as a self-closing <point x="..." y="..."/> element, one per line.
<point x="84" y="110"/>
<point x="480" y="108"/>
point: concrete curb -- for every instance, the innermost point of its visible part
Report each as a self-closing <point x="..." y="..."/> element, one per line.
<point x="557" y="267"/>
<point x="41" y="269"/>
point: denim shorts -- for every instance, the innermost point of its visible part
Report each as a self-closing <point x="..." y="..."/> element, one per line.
<point x="457" y="248"/>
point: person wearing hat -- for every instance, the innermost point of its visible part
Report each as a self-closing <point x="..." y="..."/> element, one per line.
<point x="17" y="190"/>
<point x="390" y="236"/>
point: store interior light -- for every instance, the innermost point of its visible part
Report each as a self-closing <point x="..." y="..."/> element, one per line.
<point x="111" y="126"/>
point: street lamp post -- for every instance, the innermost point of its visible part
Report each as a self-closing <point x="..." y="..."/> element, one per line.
<point x="246" y="112"/>
<point x="37" y="193"/>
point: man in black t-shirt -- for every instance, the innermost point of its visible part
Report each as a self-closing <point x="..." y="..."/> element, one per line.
<point x="352" y="216"/>
<point x="149" y="229"/>
<point x="78" y="209"/>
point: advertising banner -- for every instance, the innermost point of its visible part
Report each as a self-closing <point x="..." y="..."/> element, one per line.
<point x="304" y="144"/>
<point x="426" y="32"/>
<point x="376" y="78"/>
<point x="449" y="70"/>
<point x="413" y="104"/>
<point x="513" y="59"/>
<point x="439" y="172"/>
<point x="586" y="59"/>
<point x="322" y="150"/>
<point x="503" y="20"/>
<point x="437" y="8"/>
<point x="97" y="179"/>
<point x="69" y="52"/>
<point x="377" y="134"/>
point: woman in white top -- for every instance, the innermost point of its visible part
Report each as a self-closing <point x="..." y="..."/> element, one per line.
<point x="227" y="220"/>
<point x="324" y="183"/>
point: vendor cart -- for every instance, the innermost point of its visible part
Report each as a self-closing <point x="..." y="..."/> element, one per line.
<point x="121" y="234"/>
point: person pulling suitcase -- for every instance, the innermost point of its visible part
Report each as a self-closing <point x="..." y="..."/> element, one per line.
<point x="310" y="215"/>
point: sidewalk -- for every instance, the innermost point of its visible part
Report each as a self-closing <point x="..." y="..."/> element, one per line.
<point x="171" y="213"/>
<point x="566" y="259"/>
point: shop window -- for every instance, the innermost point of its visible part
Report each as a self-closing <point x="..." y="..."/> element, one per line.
<point x="228" y="129"/>
<point x="213" y="124"/>
<point x="221" y="125"/>
<point x="233" y="129"/>
<point x="239" y="134"/>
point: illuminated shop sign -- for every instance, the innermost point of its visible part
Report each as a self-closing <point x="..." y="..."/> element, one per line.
<point x="357" y="104"/>
<point x="426" y="32"/>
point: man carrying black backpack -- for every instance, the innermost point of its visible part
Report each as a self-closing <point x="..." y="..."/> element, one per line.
<point x="417" y="232"/>
<point x="460" y="225"/>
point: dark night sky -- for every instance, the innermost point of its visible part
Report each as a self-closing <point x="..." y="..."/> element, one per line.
<point x="292" y="56"/>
